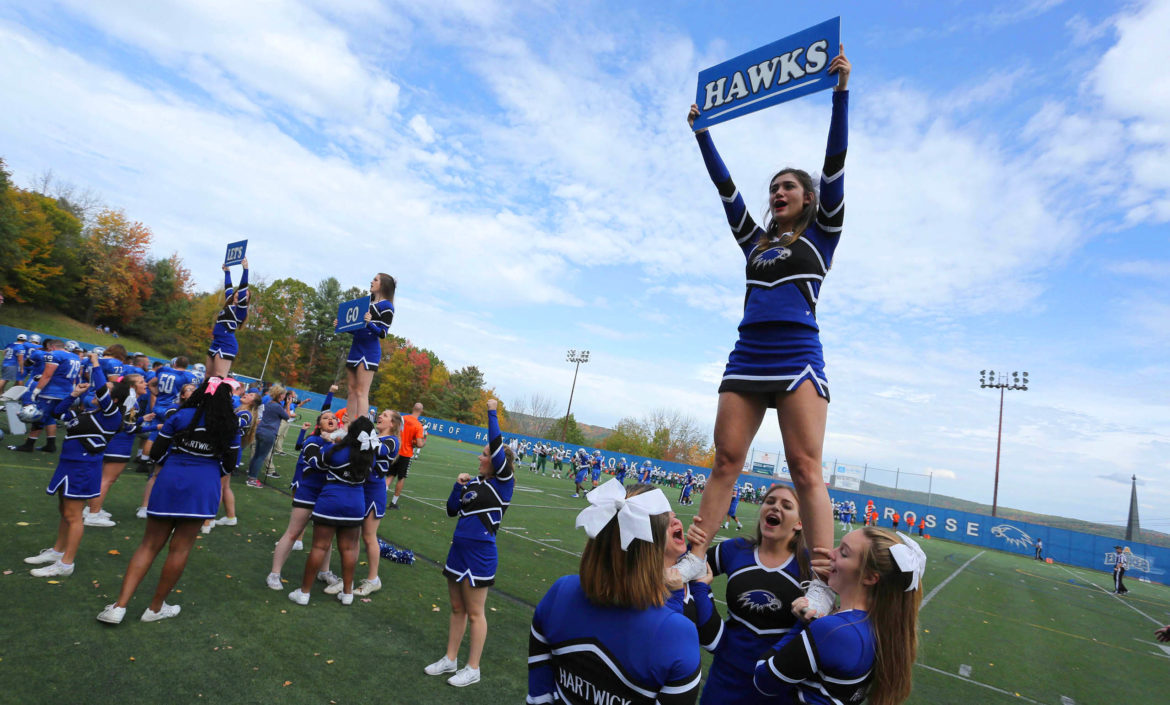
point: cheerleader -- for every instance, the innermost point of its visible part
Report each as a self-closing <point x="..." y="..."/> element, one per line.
<point x="120" y="446"/>
<point x="306" y="486"/>
<point x="340" y="507"/>
<point x="470" y="569"/>
<point x="388" y="426"/>
<point x="866" y="649"/>
<point x="79" y="471"/>
<point x="247" y="416"/>
<point x="366" y="351"/>
<point x="777" y="361"/>
<point x="224" y="347"/>
<point x="608" y="634"/>
<point x="764" y="575"/>
<point x="197" y="444"/>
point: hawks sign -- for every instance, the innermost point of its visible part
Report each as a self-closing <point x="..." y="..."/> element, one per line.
<point x="789" y="68"/>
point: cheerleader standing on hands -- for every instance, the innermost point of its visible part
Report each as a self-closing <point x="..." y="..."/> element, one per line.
<point x="777" y="361"/>
<point x="224" y="347"/>
<point x="79" y="471"/>
<point x="366" y="351"/>
<point x="608" y="634"/>
<point x="470" y="569"/>
<point x="866" y="649"/>
<point x="197" y="444"/>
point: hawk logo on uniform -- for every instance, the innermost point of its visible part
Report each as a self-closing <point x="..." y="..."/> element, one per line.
<point x="1013" y="535"/>
<point x="760" y="601"/>
<point x="468" y="497"/>
<point x="771" y="256"/>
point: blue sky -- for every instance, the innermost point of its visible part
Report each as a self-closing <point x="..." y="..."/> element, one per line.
<point x="526" y="172"/>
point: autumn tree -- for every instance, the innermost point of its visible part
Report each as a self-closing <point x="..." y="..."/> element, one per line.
<point x="30" y="271"/>
<point x="118" y="278"/>
<point x="571" y="431"/>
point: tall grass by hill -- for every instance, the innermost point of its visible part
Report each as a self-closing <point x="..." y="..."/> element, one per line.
<point x="59" y="325"/>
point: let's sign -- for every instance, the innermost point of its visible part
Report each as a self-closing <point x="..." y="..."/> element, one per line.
<point x="235" y="253"/>
<point x="351" y="315"/>
<point x="789" y="68"/>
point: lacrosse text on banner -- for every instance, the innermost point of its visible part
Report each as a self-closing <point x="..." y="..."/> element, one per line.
<point x="783" y="70"/>
<point x="235" y="253"/>
<point x="351" y="315"/>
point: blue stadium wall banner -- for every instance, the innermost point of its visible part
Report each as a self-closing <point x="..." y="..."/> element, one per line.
<point x="235" y="253"/>
<point x="783" y="70"/>
<point x="351" y="315"/>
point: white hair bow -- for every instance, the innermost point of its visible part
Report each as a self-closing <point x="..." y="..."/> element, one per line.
<point x="368" y="440"/>
<point x="131" y="401"/>
<point x="910" y="559"/>
<point x="633" y="514"/>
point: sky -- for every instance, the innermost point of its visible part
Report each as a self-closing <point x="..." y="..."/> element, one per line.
<point x="526" y="172"/>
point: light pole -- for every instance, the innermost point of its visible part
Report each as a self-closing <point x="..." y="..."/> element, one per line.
<point x="577" y="356"/>
<point x="988" y="379"/>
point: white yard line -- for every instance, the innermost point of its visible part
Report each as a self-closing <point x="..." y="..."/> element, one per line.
<point x="1116" y="597"/>
<point x="943" y="584"/>
<point x="974" y="682"/>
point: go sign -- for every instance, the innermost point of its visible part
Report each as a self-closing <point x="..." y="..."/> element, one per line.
<point x="351" y="315"/>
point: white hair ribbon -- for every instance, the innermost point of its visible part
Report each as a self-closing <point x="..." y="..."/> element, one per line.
<point x="369" y="441"/>
<point x="910" y="559"/>
<point x="131" y="401"/>
<point x="633" y="514"/>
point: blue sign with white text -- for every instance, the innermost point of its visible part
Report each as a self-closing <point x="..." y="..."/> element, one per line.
<point x="235" y="253"/>
<point x="783" y="70"/>
<point x="351" y="315"/>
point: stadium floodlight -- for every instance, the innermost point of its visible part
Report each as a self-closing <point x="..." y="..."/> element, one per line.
<point x="576" y="357"/>
<point x="1000" y="382"/>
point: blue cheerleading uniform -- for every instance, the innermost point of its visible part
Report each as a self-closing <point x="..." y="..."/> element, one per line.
<point x="825" y="662"/>
<point x="759" y="612"/>
<point x="695" y="602"/>
<point x="779" y="345"/>
<point x="342" y="499"/>
<point x="187" y="486"/>
<point x="375" y="487"/>
<point x="121" y="445"/>
<point x="580" y="653"/>
<point x="306" y="487"/>
<point x="79" y="469"/>
<point x="480" y="506"/>
<point x="223" y="335"/>
<point x="366" y="349"/>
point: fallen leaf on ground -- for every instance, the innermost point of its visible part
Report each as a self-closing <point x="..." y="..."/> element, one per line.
<point x="287" y="683"/>
<point x="114" y="552"/>
<point x="22" y="523"/>
<point x="329" y="661"/>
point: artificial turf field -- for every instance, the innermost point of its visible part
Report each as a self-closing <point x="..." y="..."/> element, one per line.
<point x="1017" y="630"/>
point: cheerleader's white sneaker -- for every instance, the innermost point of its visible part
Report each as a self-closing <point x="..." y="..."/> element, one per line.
<point x="464" y="676"/>
<point x="301" y="598"/>
<point x="164" y="612"/>
<point x="368" y="586"/>
<point x="273" y="581"/>
<point x="226" y="521"/>
<point x="328" y="577"/>
<point x="443" y="665"/>
<point x="53" y="570"/>
<point x="346" y="598"/>
<point x="821" y="597"/>
<point x="691" y="567"/>
<point x="47" y="555"/>
<point x="140" y="513"/>
<point x="112" y="614"/>
<point x="298" y="546"/>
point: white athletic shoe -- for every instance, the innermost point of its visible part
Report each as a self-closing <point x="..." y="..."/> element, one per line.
<point x="298" y="546"/>
<point x="226" y="521"/>
<point x="112" y="614"/>
<point x="206" y="528"/>
<point x="301" y="598"/>
<point x="346" y="598"/>
<point x="47" y="555"/>
<point x="53" y="570"/>
<point x="335" y="588"/>
<point x="368" y="586"/>
<point x="274" y="581"/>
<point x="691" y="567"/>
<point x="443" y="665"/>
<point x="328" y="577"/>
<point x="97" y="520"/>
<point x="164" y="612"/>
<point x="140" y="513"/>
<point x="464" y="676"/>
<point x="821" y="597"/>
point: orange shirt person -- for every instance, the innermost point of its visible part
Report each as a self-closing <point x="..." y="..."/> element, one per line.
<point x="414" y="436"/>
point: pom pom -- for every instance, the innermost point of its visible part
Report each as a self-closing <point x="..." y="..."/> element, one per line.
<point x="392" y="553"/>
